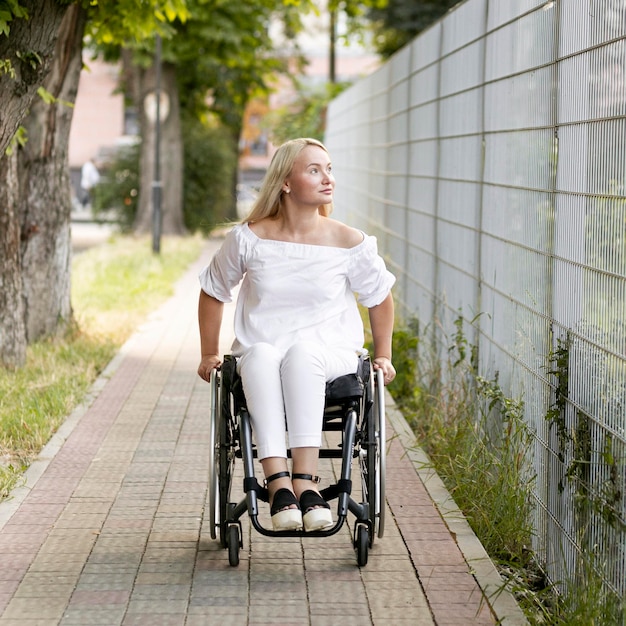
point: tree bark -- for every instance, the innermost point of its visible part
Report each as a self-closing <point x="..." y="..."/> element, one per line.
<point x="171" y="155"/>
<point x="29" y="49"/>
<point x="12" y="331"/>
<point x="44" y="189"/>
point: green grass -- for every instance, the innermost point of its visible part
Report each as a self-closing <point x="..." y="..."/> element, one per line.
<point x="114" y="287"/>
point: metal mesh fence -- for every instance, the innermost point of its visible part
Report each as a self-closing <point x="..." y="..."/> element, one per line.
<point x="489" y="158"/>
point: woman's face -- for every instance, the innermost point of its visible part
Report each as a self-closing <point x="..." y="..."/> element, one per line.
<point x="311" y="180"/>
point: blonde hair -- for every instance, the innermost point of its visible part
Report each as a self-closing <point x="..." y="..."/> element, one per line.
<point x="269" y="200"/>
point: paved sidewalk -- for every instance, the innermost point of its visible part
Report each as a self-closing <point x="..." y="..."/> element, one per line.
<point x="110" y="526"/>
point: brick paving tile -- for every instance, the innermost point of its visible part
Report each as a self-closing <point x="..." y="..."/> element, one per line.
<point x="20" y="607"/>
<point x="151" y="620"/>
<point x="29" y="622"/>
<point x="8" y="588"/>
<point x="95" y="616"/>
<point x="345" y="620"/>
<point x="112" y="529"/>
<point x="225" y="619"/>
<point x="36" y="590"/>
<point x="347" y="607"/>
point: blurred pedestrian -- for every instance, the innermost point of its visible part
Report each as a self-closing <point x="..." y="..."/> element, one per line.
<point x="89" y="178"/>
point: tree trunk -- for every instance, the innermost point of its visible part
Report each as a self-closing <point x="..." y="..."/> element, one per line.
<point x="44" y="192"/>
<point x="12" y="331"/>
<point x="171" y="155"/>
<point x="33" y="40"/>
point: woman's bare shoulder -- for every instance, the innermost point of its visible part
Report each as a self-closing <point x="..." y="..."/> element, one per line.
<point x="344" y="236"/>
<point x="264" y="228"/>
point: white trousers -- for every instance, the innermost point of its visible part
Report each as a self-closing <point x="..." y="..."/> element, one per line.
<point x="285" y="392"/>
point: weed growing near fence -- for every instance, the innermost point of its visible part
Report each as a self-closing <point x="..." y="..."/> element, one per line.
<point x="476" y="439"/>
<point x="595" y="498"/>
<point x="479" y="444"/>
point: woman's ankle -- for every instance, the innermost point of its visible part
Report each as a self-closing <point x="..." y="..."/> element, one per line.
<point x="304" y="482"/>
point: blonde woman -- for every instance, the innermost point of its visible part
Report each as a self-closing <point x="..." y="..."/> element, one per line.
<point x="297" y="324"/>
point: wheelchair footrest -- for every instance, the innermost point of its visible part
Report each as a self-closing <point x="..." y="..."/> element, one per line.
<point x="329" y="493"/>
<point x="325" y="453"/>
<point x="342" y="486"/>
<point x="252" y="484"/>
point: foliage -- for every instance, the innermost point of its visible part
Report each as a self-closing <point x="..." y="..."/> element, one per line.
<point x="400" y="21"/>
<point x="306" y="115"/>
<point x="19" y="139"/>
<point x="210" y="163"/>
<point x="556" y="414"/>
<point x="223" y="55"/>
<point x="580" y="449"/>
<point x="113" y="21"/>
<point x="10" y="10"/>
<point x="127" y="22"/>
<point x="117" y="193"/>
<point x="225" y="50"/>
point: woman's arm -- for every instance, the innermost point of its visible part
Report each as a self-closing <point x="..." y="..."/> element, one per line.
<point x="381" y="320"/>
<point x="210" y="312"/>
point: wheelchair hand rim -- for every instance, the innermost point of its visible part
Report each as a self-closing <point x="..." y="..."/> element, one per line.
<point x="213" y="457"/>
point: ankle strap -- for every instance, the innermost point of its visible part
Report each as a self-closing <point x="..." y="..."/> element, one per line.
<point x="269" y="479"/>
<point x="314" y="479"/>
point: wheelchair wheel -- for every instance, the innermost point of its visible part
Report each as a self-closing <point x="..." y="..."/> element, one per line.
<point x="361" y="544"/>
<point x="221" y="456"/>
<point x="233" y="542"/>
<point x="373" y="463"/>
<point x="379" y="411"/>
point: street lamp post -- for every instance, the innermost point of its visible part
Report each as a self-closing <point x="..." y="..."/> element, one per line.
<point x="157" y="184"/>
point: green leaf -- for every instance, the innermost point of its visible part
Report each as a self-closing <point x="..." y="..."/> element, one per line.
<point x="46" y="96"/>
<point x="19" y="139"/>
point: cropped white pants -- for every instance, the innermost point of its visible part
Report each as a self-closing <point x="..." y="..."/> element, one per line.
<point x="285" y="392"/>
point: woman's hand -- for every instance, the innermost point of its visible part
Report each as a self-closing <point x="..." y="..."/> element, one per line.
<point x="384" y="363"/>
<point x="208" y="363"/>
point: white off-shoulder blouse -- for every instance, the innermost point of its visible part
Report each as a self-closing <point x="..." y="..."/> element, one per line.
<point x="293" y="291"/>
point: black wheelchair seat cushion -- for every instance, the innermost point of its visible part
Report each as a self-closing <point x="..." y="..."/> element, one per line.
<point x="344" y="387"/>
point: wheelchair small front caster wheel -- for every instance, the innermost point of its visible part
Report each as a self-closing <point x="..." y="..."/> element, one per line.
<point x="361" y="544"/>
<point x="232" y="540"/>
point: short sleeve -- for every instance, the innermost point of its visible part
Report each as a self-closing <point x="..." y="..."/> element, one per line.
<point x="367" y="274"/>
<point x="226" y="268"/>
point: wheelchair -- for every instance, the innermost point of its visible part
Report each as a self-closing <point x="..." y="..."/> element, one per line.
<point x="354" y="406"/>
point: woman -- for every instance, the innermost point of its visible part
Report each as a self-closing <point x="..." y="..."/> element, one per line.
<point x="297" y="324"/>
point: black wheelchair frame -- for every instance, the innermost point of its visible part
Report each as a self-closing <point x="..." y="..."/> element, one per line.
<point x="355" y="405"/>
